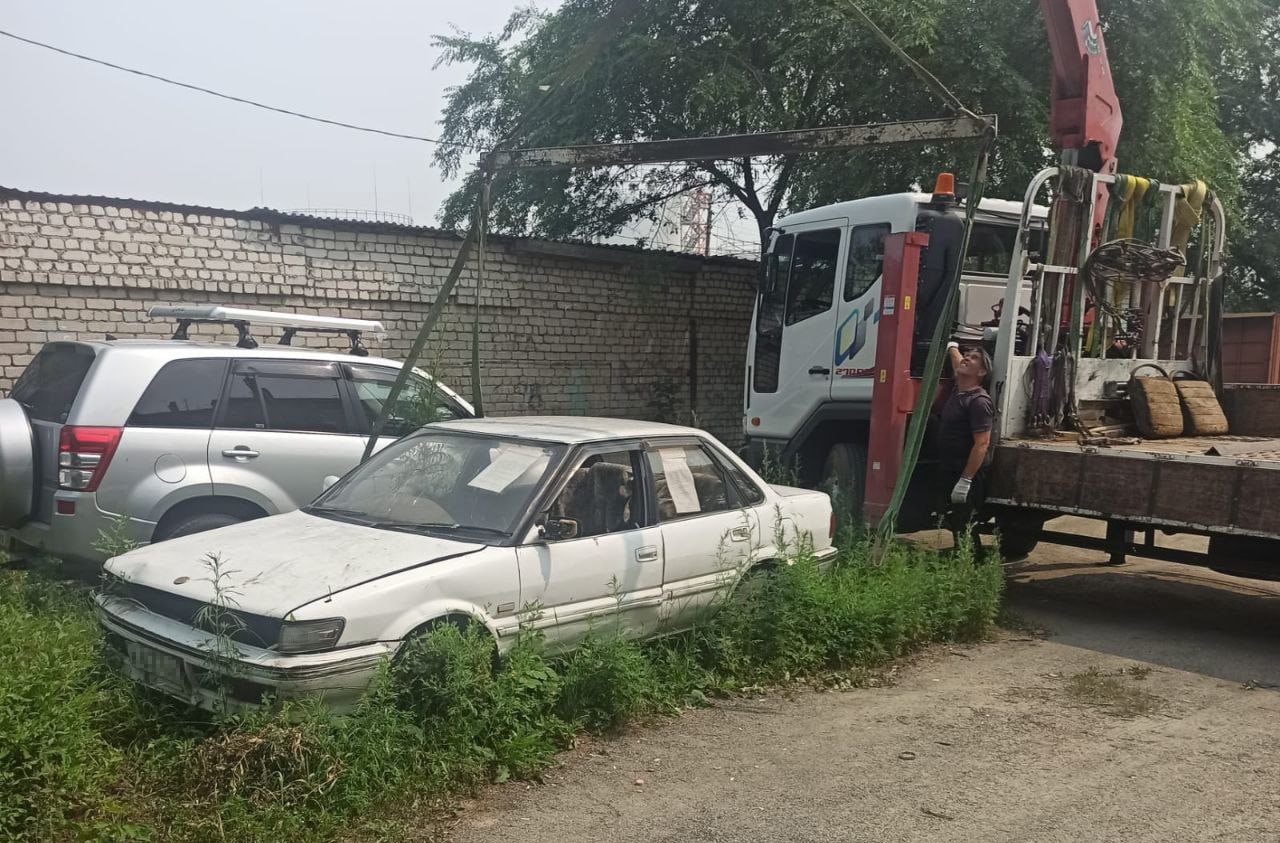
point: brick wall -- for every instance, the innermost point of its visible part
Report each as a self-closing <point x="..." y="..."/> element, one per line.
<point x="564" y="328"/>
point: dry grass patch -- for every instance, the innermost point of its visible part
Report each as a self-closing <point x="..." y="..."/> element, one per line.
<point x="1114" y="692"/>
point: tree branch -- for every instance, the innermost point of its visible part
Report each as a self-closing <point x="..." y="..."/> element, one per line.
<point x="780" y="184"/>
<point x="749" y="199"/>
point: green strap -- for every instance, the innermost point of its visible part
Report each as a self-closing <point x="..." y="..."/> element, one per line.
<point x="937" y="349"/>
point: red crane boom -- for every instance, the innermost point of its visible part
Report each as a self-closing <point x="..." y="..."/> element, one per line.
<point x="1084" y="112"/>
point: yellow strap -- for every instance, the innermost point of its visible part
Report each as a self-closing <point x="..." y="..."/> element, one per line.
<point x="1186" y="216"/>
<point x="1128" y="211"/>
<point x="1134" y="189"/>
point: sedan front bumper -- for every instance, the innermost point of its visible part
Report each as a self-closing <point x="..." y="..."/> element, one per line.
<point x="218" y="675"/>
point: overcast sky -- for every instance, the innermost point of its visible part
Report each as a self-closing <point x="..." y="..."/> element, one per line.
<point x="74" y="127"/>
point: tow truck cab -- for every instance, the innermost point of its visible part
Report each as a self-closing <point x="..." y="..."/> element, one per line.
<point x="812" y="350"/>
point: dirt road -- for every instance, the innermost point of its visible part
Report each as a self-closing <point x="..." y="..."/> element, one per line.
<point x="1148" y="710"/>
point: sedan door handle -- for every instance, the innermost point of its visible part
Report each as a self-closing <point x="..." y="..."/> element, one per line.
<point x="648" y="553"/>
<point x="819" y="370"/>
<point x="240" y="452"/>
<point x="740" y="534"/>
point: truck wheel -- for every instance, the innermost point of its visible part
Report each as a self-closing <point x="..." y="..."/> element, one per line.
<point x="844" y="477"/>
<point x="1019" y="533"/>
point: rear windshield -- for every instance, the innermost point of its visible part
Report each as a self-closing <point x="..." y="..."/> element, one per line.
<point x="52" y="379"/>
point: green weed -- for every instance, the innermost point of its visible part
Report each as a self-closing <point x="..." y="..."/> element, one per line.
<point x="85" y="755"/>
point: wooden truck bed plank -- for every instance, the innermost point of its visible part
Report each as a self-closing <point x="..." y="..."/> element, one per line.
<point x="1167" y="482"/>
<point x="1234" y="448"/>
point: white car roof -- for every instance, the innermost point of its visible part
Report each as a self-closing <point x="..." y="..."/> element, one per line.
<point x="568" y="430"/>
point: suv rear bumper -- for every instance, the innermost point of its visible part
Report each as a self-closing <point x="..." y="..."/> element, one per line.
<point x="72" y="536"/>
<point x="219" y="676"/>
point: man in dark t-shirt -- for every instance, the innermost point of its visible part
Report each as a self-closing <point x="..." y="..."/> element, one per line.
<point x="964" y="443"/>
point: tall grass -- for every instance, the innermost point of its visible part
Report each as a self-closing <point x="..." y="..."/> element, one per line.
<point x="83" y="755"/>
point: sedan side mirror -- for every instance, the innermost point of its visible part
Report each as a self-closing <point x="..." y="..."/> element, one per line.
<point x="558" y="529"/>
<point x="328" y="481"/>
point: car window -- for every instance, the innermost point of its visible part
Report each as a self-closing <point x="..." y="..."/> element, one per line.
<point x="748" y="492"/>
<point x="866" y="259"/>
<point x="687" y="482"/>
<point x="600" y="495"/>
<point x="419" y="403"/>
<point x="303" y="397"/>
<point x="813" y="274"/>
<point x="49" y="385"/>
<point x="184" y="393"/>
<point x="244" y="410"/>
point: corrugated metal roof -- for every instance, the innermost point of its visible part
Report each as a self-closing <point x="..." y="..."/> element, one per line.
<point x="273" y="216"/>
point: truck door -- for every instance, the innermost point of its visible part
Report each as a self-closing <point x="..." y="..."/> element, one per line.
<point x="857" y="314"/>
<point x="795" y="316"/>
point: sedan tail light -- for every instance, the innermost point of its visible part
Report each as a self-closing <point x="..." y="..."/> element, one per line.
<point x="84" y="454"/>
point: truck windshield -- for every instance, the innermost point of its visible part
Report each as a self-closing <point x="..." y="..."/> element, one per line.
<point x="991" y="247"/>
<point x="770" y="310"/>
<point x="443" y="481"/>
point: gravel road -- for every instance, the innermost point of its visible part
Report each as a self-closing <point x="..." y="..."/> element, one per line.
<point x="1147" y="709"/>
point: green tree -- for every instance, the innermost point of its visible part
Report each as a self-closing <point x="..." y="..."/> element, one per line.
<point x="1192" y="76"/>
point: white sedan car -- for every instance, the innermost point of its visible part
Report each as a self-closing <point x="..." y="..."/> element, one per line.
<point x="589" y="521"/>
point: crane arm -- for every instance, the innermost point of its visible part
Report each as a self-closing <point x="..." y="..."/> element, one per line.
<point x="1084" y="112"/>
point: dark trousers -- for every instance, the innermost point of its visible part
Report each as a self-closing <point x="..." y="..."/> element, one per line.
<point x="959" y="518"/>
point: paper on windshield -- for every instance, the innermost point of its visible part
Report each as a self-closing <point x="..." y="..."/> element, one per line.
<point x="511" y="462"/>
<point x="684" y="494"/>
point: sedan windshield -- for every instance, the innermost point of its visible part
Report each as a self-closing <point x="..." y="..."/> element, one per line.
<point x="442" y="481"/>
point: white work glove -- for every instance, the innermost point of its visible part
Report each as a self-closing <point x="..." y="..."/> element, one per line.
<point x="953" y="344"/>
<point x="960" y="493"/>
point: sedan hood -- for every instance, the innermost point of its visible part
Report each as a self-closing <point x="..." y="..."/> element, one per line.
<point x="273" y="565"/>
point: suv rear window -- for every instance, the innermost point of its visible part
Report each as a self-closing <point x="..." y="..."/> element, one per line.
<point x="49" y="385"/>
<point x="182" y="394"/>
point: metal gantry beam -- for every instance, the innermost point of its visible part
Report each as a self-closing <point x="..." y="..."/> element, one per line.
<point x="722" y="147"/>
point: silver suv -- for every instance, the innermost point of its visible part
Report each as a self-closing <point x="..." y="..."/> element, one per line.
<point x="178" y="436"/>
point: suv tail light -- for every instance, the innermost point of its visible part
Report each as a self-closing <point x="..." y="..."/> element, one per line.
<point x="84" y="454"/>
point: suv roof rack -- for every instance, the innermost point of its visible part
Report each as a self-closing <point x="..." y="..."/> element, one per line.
<point x="290" y="323"/>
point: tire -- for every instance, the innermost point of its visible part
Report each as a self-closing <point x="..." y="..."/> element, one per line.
<point x="1019" y="533"/>
<point x="463" y="624"/>
<point x="750" y="585"/>
<point x="17" y="464"/>
<point x="197" y="523"/>
<point x="844" y="478"/>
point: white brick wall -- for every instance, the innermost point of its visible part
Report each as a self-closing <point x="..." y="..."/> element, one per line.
<point x="579" y="330"/>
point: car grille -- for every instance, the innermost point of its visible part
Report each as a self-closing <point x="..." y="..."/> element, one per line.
<point x="241" y="627"/>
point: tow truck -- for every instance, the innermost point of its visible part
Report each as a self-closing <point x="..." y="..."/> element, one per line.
<point x="849" y="302"/>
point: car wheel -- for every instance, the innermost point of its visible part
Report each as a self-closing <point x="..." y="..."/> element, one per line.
<point x="751" y="585"/>
<point x="844" y="477"/>
<point x="197" y="523"/>
<point x="465" y="625"/>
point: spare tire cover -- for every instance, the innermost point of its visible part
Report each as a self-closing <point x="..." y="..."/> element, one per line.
<point x="17" y="464"/>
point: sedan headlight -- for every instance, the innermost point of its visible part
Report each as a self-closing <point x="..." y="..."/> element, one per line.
<point x="306" y="636"/>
